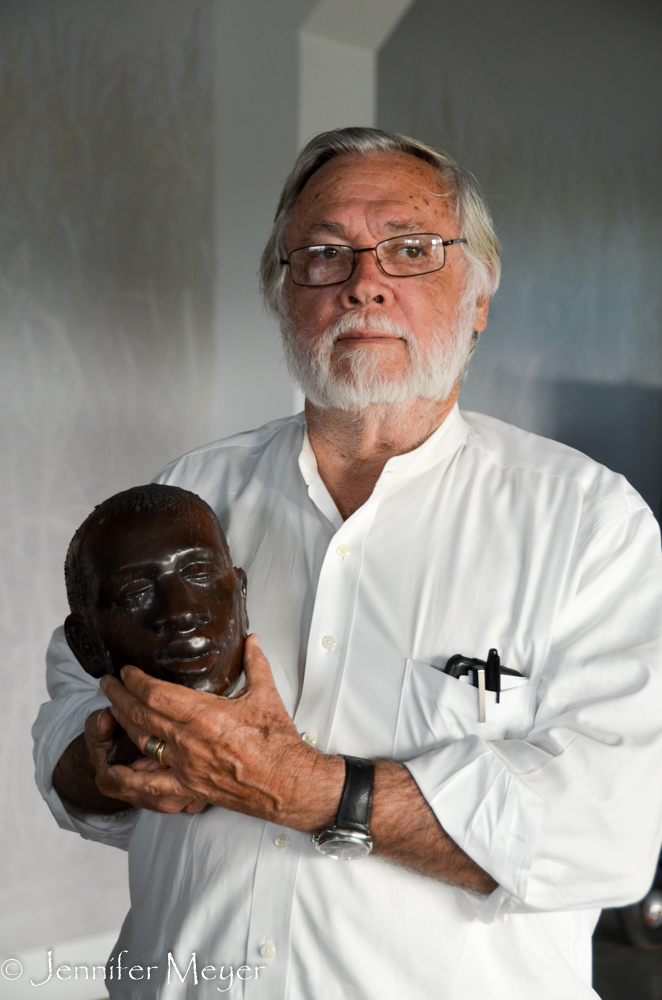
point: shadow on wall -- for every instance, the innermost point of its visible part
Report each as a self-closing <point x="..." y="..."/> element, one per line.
<point x="609" y="423"/>
<point x="619" y="426"/>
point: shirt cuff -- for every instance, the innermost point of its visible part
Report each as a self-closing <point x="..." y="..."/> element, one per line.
<point x="488" y="811"/>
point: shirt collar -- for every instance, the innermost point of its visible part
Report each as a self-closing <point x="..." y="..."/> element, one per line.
<point x="317" y="491"/>
<point x="445" y="441"/>
<point x="441" y="444"/>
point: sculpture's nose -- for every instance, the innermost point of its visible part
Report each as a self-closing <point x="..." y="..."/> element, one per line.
<point x="177" y="609"/>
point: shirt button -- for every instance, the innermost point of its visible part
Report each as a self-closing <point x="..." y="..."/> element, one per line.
<point x="310" y="739"/>
<point x="328" y="642"/>
<point x="282" y="841"/>
<point x="343" y="551"/>
<point x="268" y="950"/>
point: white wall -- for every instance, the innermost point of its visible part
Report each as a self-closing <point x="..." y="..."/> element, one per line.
<point x="256" y="67"/>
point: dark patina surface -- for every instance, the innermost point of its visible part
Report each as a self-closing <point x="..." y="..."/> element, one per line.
<point x="151" y="583"/>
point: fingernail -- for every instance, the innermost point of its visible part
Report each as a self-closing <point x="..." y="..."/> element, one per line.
<point x="257" y="639"/>
<point x="103" y="683"/>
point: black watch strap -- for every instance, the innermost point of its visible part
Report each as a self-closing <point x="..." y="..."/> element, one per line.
<point x="356" y="800"/>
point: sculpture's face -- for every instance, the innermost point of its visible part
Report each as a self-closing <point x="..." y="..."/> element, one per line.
<point x="166" y="599"/>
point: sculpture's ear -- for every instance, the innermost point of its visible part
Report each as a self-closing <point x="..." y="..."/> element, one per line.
<point x="78" y="637"/>
<point x="241" y="577"/>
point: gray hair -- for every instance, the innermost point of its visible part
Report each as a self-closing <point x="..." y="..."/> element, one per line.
<point x="482" y="247"/>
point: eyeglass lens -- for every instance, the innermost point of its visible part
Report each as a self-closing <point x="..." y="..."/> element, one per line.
<point x="399" y="257"/>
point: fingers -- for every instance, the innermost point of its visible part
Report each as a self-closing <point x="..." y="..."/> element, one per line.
<point x="153" y="705"/>
<point x="160" y="791"/>
<point x="105" y="724"/>
<point x="138" y="719"/>
<point x="256" y="665"/>
<point x="173" y="701"/>
<point x="142" y="722"/>
<point x="100" y="726"/>
<point x="195" y="807"/>
<point x="145" y="784"/>
<point x="146" y="764"/>
<point x="99" y="729"/>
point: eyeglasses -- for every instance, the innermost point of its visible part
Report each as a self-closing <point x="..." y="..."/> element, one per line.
<point x="399" y="257"/>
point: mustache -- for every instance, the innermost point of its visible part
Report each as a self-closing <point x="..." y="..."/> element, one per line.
<point x="369" y="322"/>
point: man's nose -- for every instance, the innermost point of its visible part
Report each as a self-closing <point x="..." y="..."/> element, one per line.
<point x="177" y="608"/>
<point x="367" y="283"/>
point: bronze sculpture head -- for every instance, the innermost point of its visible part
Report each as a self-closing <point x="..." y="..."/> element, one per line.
<point x="150" y="582"/>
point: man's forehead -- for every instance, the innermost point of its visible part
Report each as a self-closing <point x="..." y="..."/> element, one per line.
<point x="399" y="191"/>
<point x="392" y="223"/>
<point x="411" y="170"/>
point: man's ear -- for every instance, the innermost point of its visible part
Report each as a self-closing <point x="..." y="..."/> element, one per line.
<point x="78" y="637"/>
<point x="241" y="577"/>
<point x="482" y="311"/>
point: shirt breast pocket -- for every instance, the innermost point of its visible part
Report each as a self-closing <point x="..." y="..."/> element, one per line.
<point x="436" y="709"/>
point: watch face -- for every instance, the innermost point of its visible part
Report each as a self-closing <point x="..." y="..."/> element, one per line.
<point x="343" y="845"/>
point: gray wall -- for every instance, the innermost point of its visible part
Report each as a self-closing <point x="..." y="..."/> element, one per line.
<point x="106" y="345"/>
<point x="555" y="107"/>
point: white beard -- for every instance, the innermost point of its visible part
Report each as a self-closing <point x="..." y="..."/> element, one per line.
<point x="428" y="375"/>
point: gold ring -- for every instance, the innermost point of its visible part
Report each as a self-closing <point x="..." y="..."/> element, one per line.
<point x="154" y="748"/>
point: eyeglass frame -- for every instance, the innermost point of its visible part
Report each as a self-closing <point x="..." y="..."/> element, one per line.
<point x="344" y="246"/>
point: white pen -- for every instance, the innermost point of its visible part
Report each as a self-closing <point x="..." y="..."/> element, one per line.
<point x="480" y="671"/>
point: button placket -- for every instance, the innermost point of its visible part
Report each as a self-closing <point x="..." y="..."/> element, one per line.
<point x="332" y="622"/>
<point x="271" y="911"/>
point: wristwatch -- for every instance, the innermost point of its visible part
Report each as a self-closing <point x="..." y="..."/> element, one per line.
<point x="349" y="838"/>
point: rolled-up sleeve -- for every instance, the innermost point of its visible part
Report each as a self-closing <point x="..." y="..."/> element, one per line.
<point x="74" y="696"/>
<point x="571" y="815"/>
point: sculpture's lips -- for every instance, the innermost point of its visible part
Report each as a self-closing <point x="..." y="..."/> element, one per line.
<point x="188" y="655"/>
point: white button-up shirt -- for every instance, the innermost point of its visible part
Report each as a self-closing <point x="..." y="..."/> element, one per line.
<point x="484" y="536"/>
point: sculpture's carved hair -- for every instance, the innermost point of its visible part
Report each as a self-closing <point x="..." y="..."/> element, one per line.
<point x="482" y="248"/>
<point x="151" y="498"/>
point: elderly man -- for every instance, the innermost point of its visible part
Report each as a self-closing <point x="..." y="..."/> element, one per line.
<point x="383" y="532"/>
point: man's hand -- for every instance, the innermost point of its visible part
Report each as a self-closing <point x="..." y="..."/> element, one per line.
<point x="86" y="783"/>
<point x="243" y="753"/>
<point x="74" y="777"/>
<point x="131" y="783"/>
